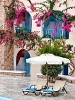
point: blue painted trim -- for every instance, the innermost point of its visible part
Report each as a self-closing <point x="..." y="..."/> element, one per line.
<point x="65" y="70"/>
<point x="48" y="20"/>
<point x="27" y="23"/>
<point x="66" y="35"/>
<point x="27" y="65"/>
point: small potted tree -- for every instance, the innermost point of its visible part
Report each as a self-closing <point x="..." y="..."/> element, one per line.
<point x="53" y="71"/>
<point x="58" y="48"/>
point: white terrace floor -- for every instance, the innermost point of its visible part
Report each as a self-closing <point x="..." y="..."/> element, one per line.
<point x="11" y="86"/>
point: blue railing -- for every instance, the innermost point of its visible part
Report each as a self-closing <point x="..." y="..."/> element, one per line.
<point x="47" y="33"/>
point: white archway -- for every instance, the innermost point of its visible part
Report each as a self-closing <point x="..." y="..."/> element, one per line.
<point x="15" y="55"/>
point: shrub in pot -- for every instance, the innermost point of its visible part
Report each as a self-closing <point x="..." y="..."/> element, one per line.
<point x="53" y="71"/>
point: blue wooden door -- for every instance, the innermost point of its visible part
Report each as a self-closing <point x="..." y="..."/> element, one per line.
<point x="27" y="65"/>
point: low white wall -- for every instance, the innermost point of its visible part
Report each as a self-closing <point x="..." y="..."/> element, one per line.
<point x="15" y="55"/>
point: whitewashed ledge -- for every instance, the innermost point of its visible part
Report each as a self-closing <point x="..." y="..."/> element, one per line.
<point x="40" y="75"/>
<point x="68" y="78"/>
<point x="12" y="72"/>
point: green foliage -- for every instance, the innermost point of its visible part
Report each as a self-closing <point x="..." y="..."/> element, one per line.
<point x="69" y="46"/>
<point x="53" y="70"/>
<point x="10" y="10"/>
<point x="55" y="47"/>
<point x="71" y="19"/>
<point x="48" y="4"/>
<point x="22" y="35"/>
<point x="43" y="70"/>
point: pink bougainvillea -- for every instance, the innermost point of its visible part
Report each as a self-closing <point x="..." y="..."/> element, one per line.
<point x="45" y="11"/>
<point x="67" y="27"/>
<point x="19" y="43"/>
<point x="15" y="14"/>
<point x="19" y="16"/>
<point x="64" y="20"/>
<point x="0" y="41"/>
<point x="53" y="34"/>
<point x="74" y="49"/>
<point x="9" y="22"/>
<point x="48" y="13"/>
<point x="32" y="6"/>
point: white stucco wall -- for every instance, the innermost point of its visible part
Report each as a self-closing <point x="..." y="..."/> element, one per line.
<point x="36" y="68"/>
<point x="71" y="11"/>
<point x="15" y="55"/>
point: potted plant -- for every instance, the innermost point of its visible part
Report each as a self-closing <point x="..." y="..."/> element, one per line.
<point x="53" y="71"/>
<point x="58" y="48"/>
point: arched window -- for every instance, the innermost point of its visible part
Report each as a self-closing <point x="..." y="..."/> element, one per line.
<point x="48" y="28"/>
<point x="26" y="24"/>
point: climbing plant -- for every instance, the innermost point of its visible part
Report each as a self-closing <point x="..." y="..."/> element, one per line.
<point x="46" y="10"/>
<point x="15" y="15"/>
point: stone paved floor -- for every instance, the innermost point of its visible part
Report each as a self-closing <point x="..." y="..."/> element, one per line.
<point x="11" y="86"/>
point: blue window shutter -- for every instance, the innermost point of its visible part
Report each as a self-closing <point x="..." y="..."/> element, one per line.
<point x="66" y="35"/>
<point x="46" y="23"/>
<point x="47" y="31"/>
<point x="59" y="30"/>
<point x="27" y="23"/>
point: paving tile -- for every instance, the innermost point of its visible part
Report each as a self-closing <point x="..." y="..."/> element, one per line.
<point x="11" y="86"/>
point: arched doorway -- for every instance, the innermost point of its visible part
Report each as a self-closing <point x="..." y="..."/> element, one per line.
<point x="21" y="64"/>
